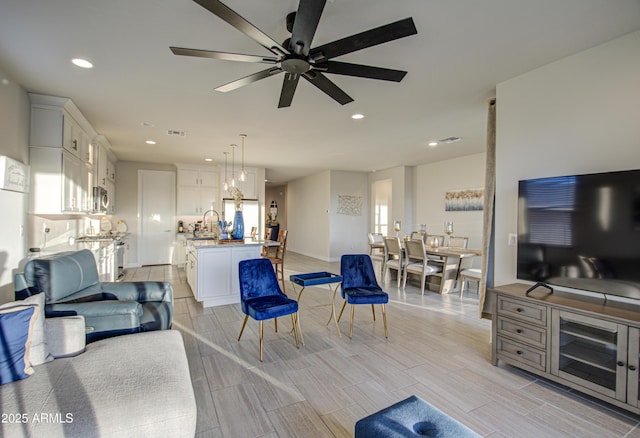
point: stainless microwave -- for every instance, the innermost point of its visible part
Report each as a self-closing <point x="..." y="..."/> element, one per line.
<point x="100" y="200"/>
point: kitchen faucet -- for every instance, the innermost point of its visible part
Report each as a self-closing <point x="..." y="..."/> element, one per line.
<point x="204" y="218"/>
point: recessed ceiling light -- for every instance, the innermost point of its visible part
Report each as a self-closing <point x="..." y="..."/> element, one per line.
<point x="148" y="124"/>
<point x="357" y="116"/>
<point x="150" y="142"/>
<point x="433" y="143"/>
<point x="208" y="159"/>
<point x="83" y="63"/>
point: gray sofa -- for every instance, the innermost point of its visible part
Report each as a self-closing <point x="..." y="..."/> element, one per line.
<point x="136" y="385"/>
<point x="71" y="285"/>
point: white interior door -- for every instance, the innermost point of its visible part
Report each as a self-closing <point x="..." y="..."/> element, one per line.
<point x="156" y="208"/>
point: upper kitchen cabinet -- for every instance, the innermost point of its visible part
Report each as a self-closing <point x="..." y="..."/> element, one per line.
<point x="198" y="189"/>
<point x="57" y="123"/>
<point x="105" y="163"/>
<point x="249" y="186"/>
<point x="61" y="155"/>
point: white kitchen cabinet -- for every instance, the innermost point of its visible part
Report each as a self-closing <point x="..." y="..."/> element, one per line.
<point x="59" y="181"/>
<point x="249" y="186"/>
<point x="53" y="125"/>
<point x="61" y="157"/>
<point x="180" y="252"/>
<point x="111" y="190"/>
<point x="197" y="190"/>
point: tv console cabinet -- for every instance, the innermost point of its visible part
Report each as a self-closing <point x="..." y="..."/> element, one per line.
<point x="587" y="343"/>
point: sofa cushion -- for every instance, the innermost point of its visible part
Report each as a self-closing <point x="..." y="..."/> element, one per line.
<point x="128" y="386"/>
<point x="16" y="328"/>
<point x="64" y="274"/>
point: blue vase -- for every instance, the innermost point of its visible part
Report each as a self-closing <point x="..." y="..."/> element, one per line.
<point x="238" y="227"/>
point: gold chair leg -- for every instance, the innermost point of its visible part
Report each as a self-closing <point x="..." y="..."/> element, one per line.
<point x="374" y="312"/>
<point x="351" y="322"/>
<point x="275" y="321"/>
<point x="260" y="341"/>
<point x="342" y="309"/>
<point x="299" y="328"/>
<point x="384" y="318"/>
<point x="295" y="332"/>
<point x="243" y="324"/>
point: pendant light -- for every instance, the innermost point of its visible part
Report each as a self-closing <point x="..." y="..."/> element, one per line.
<point x="226" y="184"/>
<point x="233" y="165"/>
<point x="243" y="173"/>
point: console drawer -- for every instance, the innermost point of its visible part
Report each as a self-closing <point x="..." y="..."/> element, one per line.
<point x="522" y="310"/>
<point x="536" y="336"/>
<point x="516" y="352"/>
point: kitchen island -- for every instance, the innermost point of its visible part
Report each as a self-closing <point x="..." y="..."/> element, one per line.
<point x="212" y="268"/>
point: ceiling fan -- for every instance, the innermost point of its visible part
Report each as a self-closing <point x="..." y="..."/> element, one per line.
<point x="295" y="56"/>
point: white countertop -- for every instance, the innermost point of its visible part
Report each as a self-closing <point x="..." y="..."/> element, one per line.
<point x="201" y="244"/>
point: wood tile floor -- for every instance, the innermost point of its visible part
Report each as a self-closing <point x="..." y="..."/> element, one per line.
<point x="438" y="349"/>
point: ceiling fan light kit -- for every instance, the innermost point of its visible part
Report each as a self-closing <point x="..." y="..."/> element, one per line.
<point x="296" y="58"/>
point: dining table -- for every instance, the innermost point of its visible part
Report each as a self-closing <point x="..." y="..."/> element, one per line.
<point x="451" y="259"/>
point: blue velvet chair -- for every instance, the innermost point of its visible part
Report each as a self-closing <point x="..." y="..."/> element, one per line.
<point x="359" y="286"/>
<point x="261" y="297"/>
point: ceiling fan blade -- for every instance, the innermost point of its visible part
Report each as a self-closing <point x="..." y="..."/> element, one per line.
<point x="288" y="89"/>
<point x="361" y="71"/>
<point x="328" y="87"/>
<point x="369" y="38"/>
<point x="223" y="55"/>
<point x="249" y="79"/>
<point x="305" y="25"/>
<point x="227" y="14"/>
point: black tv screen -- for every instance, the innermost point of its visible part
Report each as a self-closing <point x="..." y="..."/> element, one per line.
<point x="581" y="232"/>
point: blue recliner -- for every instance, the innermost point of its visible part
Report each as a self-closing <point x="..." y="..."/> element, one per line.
<point x="261" y="297"/>
<point x="359" y="286"/>
<point x="71" y="285"/>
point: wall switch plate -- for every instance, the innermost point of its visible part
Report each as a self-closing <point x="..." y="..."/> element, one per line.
<point x="512" y="239"/>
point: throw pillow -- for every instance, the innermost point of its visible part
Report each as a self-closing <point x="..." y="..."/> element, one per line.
<point x="16" y="328"/>
<point x="39" y="352"/>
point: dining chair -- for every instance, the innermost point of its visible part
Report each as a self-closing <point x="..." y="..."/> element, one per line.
<point x="378" y="250"/>
<point x="359" y="286"/>
<point x="471" y="274"/>
<point x="418" y="263"/>
<point x="417" y="235"/>
<point x="261" y="297"/>
<point x="395" y="257"/>
<point x="458" y="242"/>
<point x="267" y="236"/>
<point x="277" y="257"/>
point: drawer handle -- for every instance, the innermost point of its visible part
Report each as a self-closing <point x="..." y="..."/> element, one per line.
<point x="632" y="367"/>
<point x="519" y="309"/>
<point x="519" y="331"/>
<point x="519" y="352"/>
<point x="620" y="364"/>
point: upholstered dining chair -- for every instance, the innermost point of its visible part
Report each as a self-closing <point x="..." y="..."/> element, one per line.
<point x="359" y="286"/>
<point x="418" y="263"/>
<point x="458" y="242"/>
<point x="277" y="257"/>
<point x="395" y="257"/>
<point x="261" y="297"/>
<point x="378" y="250"/>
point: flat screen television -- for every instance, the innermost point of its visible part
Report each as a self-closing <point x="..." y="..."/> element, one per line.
<point x="581" y="232"/>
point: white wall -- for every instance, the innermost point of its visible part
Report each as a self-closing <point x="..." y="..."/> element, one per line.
<point x="14" y="141"/>
<point x="308" y="206"/>
<point x="348" y="234"/>
<point x="433" y="180"/>
<point x="576" y="115"/>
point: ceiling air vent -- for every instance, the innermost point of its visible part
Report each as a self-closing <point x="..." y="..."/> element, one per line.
<point x="176" y="133"/>
<point x="450" y="140"/>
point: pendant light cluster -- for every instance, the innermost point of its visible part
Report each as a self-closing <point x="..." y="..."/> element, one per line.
<point x="243" y="174"/>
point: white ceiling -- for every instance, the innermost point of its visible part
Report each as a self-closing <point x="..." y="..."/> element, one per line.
<point x="462" y="50"/>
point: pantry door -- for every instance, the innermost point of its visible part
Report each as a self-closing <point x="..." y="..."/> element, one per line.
<point x="156" y="210"/>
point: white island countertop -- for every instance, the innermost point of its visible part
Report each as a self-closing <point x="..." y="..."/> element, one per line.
<point x="211" y="243"/>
